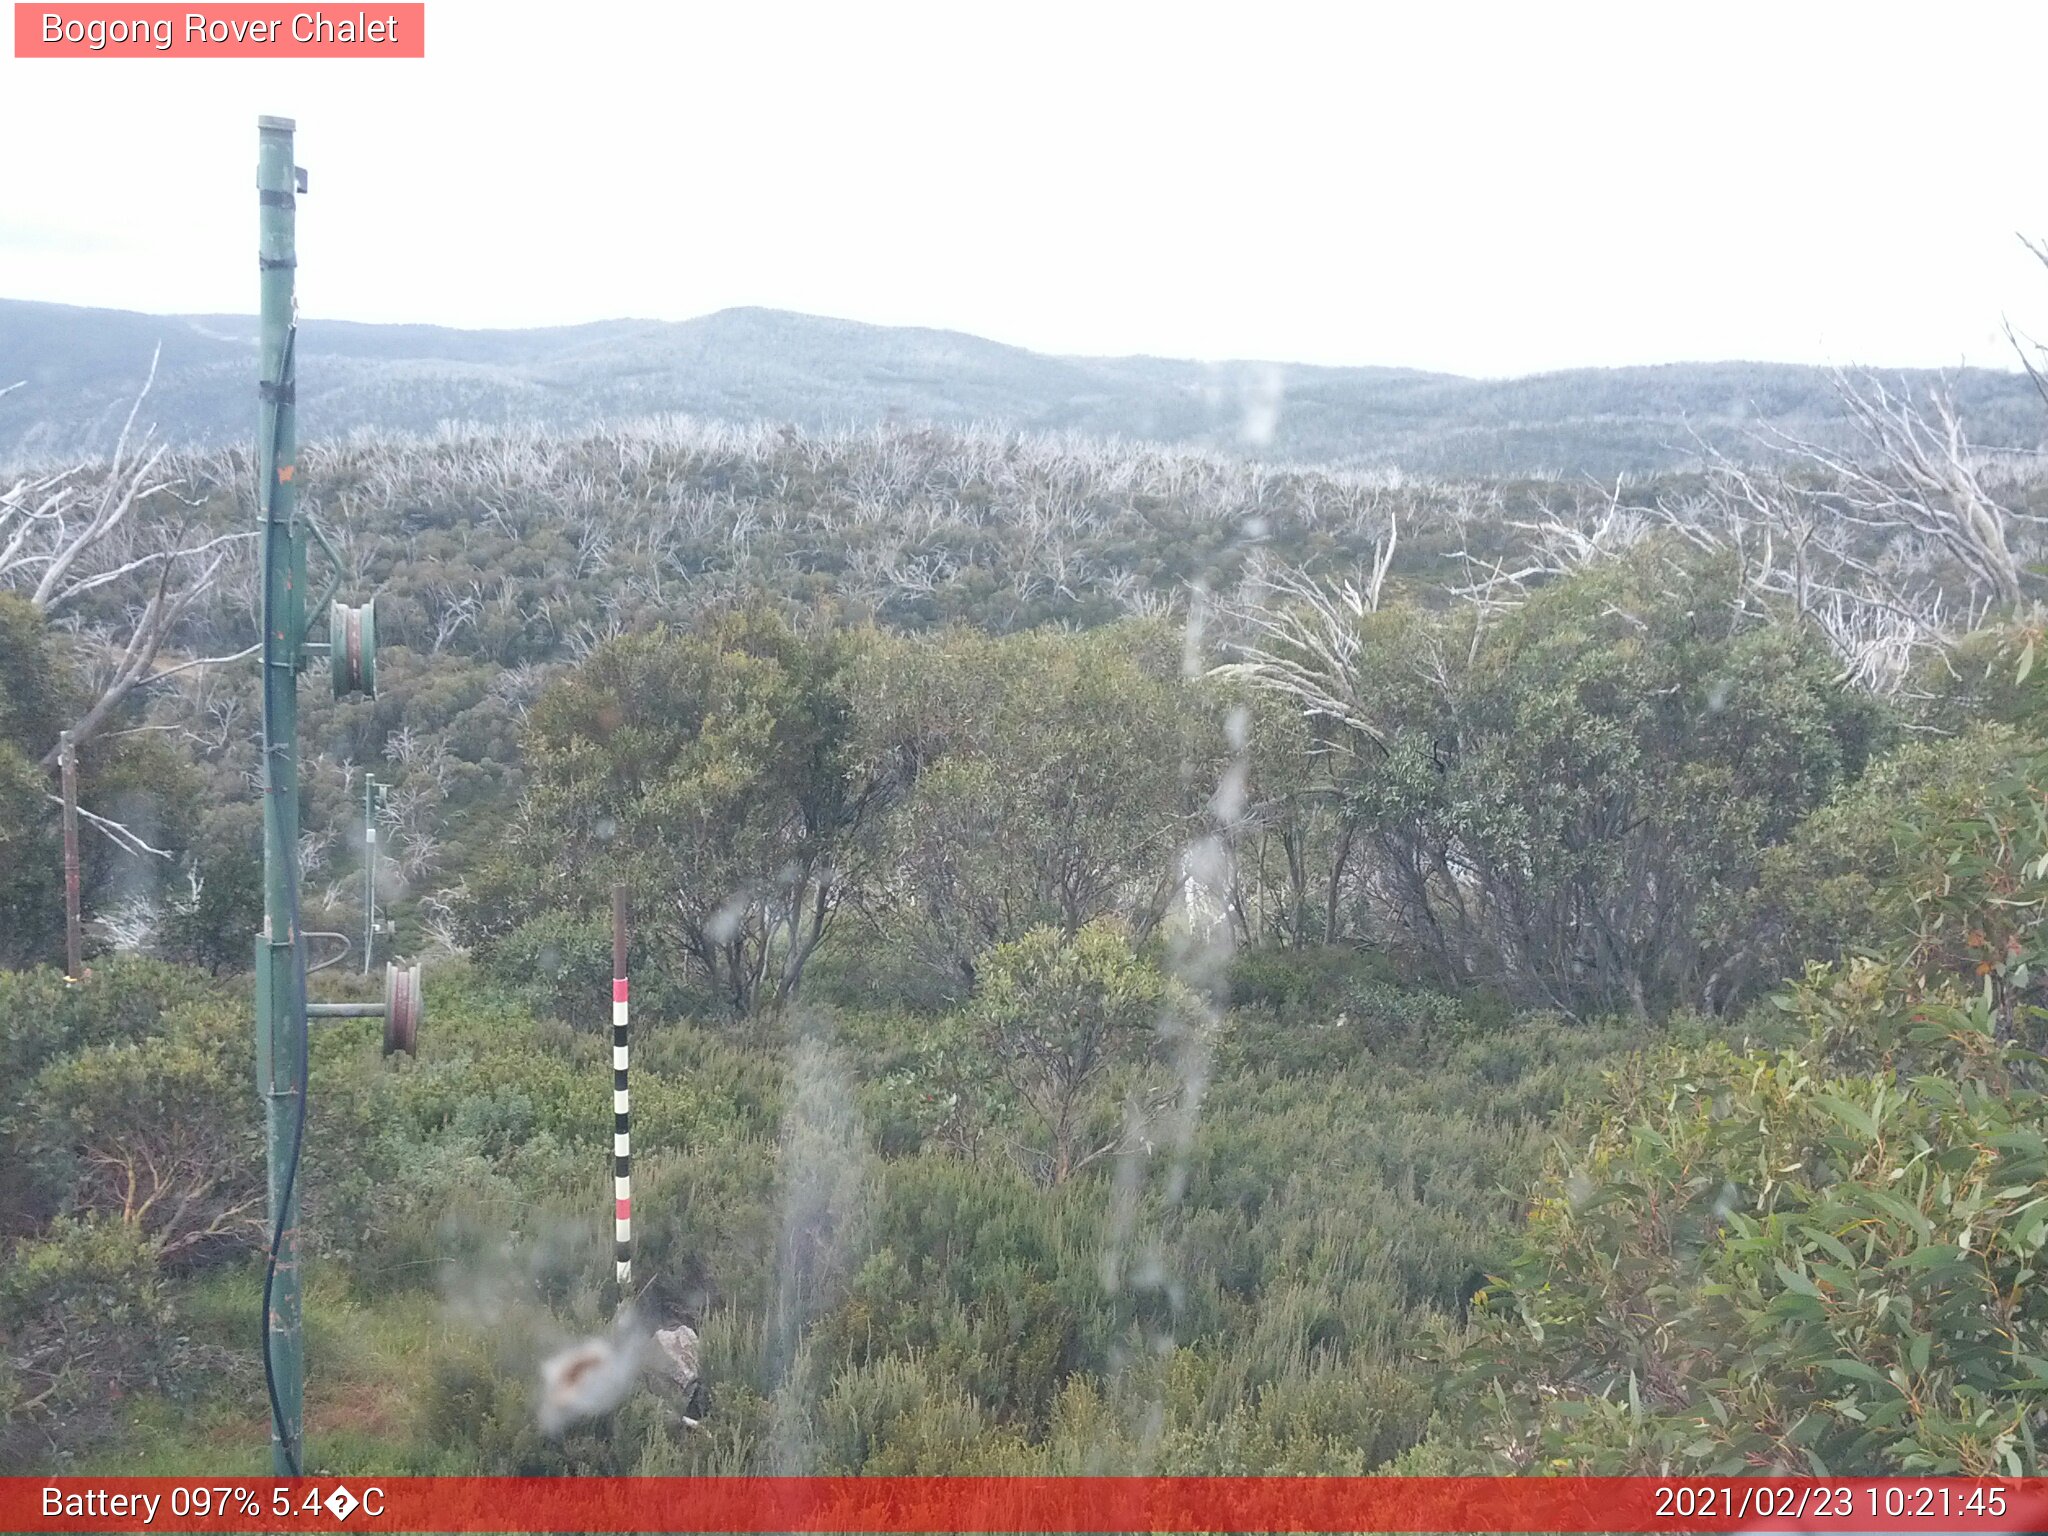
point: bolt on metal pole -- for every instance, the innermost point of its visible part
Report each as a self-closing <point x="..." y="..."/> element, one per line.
<point x="280" y="953"/>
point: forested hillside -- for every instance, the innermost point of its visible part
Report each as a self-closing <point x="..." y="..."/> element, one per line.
<point x="79" y="370"/>
<point x="1143" y="960"/>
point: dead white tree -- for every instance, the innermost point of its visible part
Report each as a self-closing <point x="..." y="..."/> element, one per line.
<point x="1879" y="608"/>
<point x="1890" y="549"/>
<point x="1918" y="475"/>
<point x="1302" y="639"/>
<point x="588" y="635"/>
<point x="80" y="538"/>
<point x="454" y="610"/>
<point x="2032" y="354"/>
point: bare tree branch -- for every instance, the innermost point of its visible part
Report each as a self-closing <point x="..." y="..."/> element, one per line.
<point x="124" y="838"/>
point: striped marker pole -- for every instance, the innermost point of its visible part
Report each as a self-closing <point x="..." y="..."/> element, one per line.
<point x="622" y="1121"/>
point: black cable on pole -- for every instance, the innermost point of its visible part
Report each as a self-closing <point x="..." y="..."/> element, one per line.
<point x="290" y="853"/>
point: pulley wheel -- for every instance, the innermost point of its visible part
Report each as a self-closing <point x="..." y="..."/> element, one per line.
<point x="352" y="648"/>
<point x="403" y="1006"/>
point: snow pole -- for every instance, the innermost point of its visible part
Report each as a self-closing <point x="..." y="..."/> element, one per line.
<point x="622" y="1115"/>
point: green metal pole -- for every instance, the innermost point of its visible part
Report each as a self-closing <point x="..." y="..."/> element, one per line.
<point x="280" y="956"/>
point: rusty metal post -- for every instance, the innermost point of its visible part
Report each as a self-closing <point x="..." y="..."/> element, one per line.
<point x="74" y="936"/>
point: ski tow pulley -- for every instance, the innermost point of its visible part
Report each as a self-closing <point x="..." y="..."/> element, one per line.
<point x="403" y="1006"/>
<point x="352" y="648"/>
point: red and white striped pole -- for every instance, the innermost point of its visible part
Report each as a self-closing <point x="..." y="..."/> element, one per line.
<point x="622" y="1121"/>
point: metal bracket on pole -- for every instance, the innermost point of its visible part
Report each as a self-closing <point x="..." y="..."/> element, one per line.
<point x="334" y="575"/>
<point x="401" y="1010"/>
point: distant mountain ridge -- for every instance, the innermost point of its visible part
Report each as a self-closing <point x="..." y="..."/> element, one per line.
<point x="80" y="369"/>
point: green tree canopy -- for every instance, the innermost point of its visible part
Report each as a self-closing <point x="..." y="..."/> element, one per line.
<point x="1057" y="778"/>
<point x="713" y="771"/>
<point x="1061" y="1018"/>
<point x="1572" y="799"/>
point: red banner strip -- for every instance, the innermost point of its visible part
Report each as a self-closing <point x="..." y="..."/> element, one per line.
<point x="1025" y="1504"/>
<point x="376" y="30"/>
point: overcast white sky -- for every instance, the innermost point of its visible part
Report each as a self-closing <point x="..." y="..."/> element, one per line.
<point x="1487" y="189"/>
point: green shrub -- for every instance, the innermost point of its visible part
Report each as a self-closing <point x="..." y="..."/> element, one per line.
<point x="1065" y="1026"/>
<point x="1818" y="1261"/>
<point x="1836" y="887"/>
<point x="84" y="1322"/>
<point x="159" y="1133"/>
<point x="43" y="1022"/>
<point x="1308" y="979"/>
<point x="559" y="963"/>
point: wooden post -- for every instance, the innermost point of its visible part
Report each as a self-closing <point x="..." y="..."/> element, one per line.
<point x="74" y="937"/>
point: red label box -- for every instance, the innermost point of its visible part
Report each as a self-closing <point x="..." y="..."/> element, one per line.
<point x="1692" y="1506"/>
<point x="375" y="30"/>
